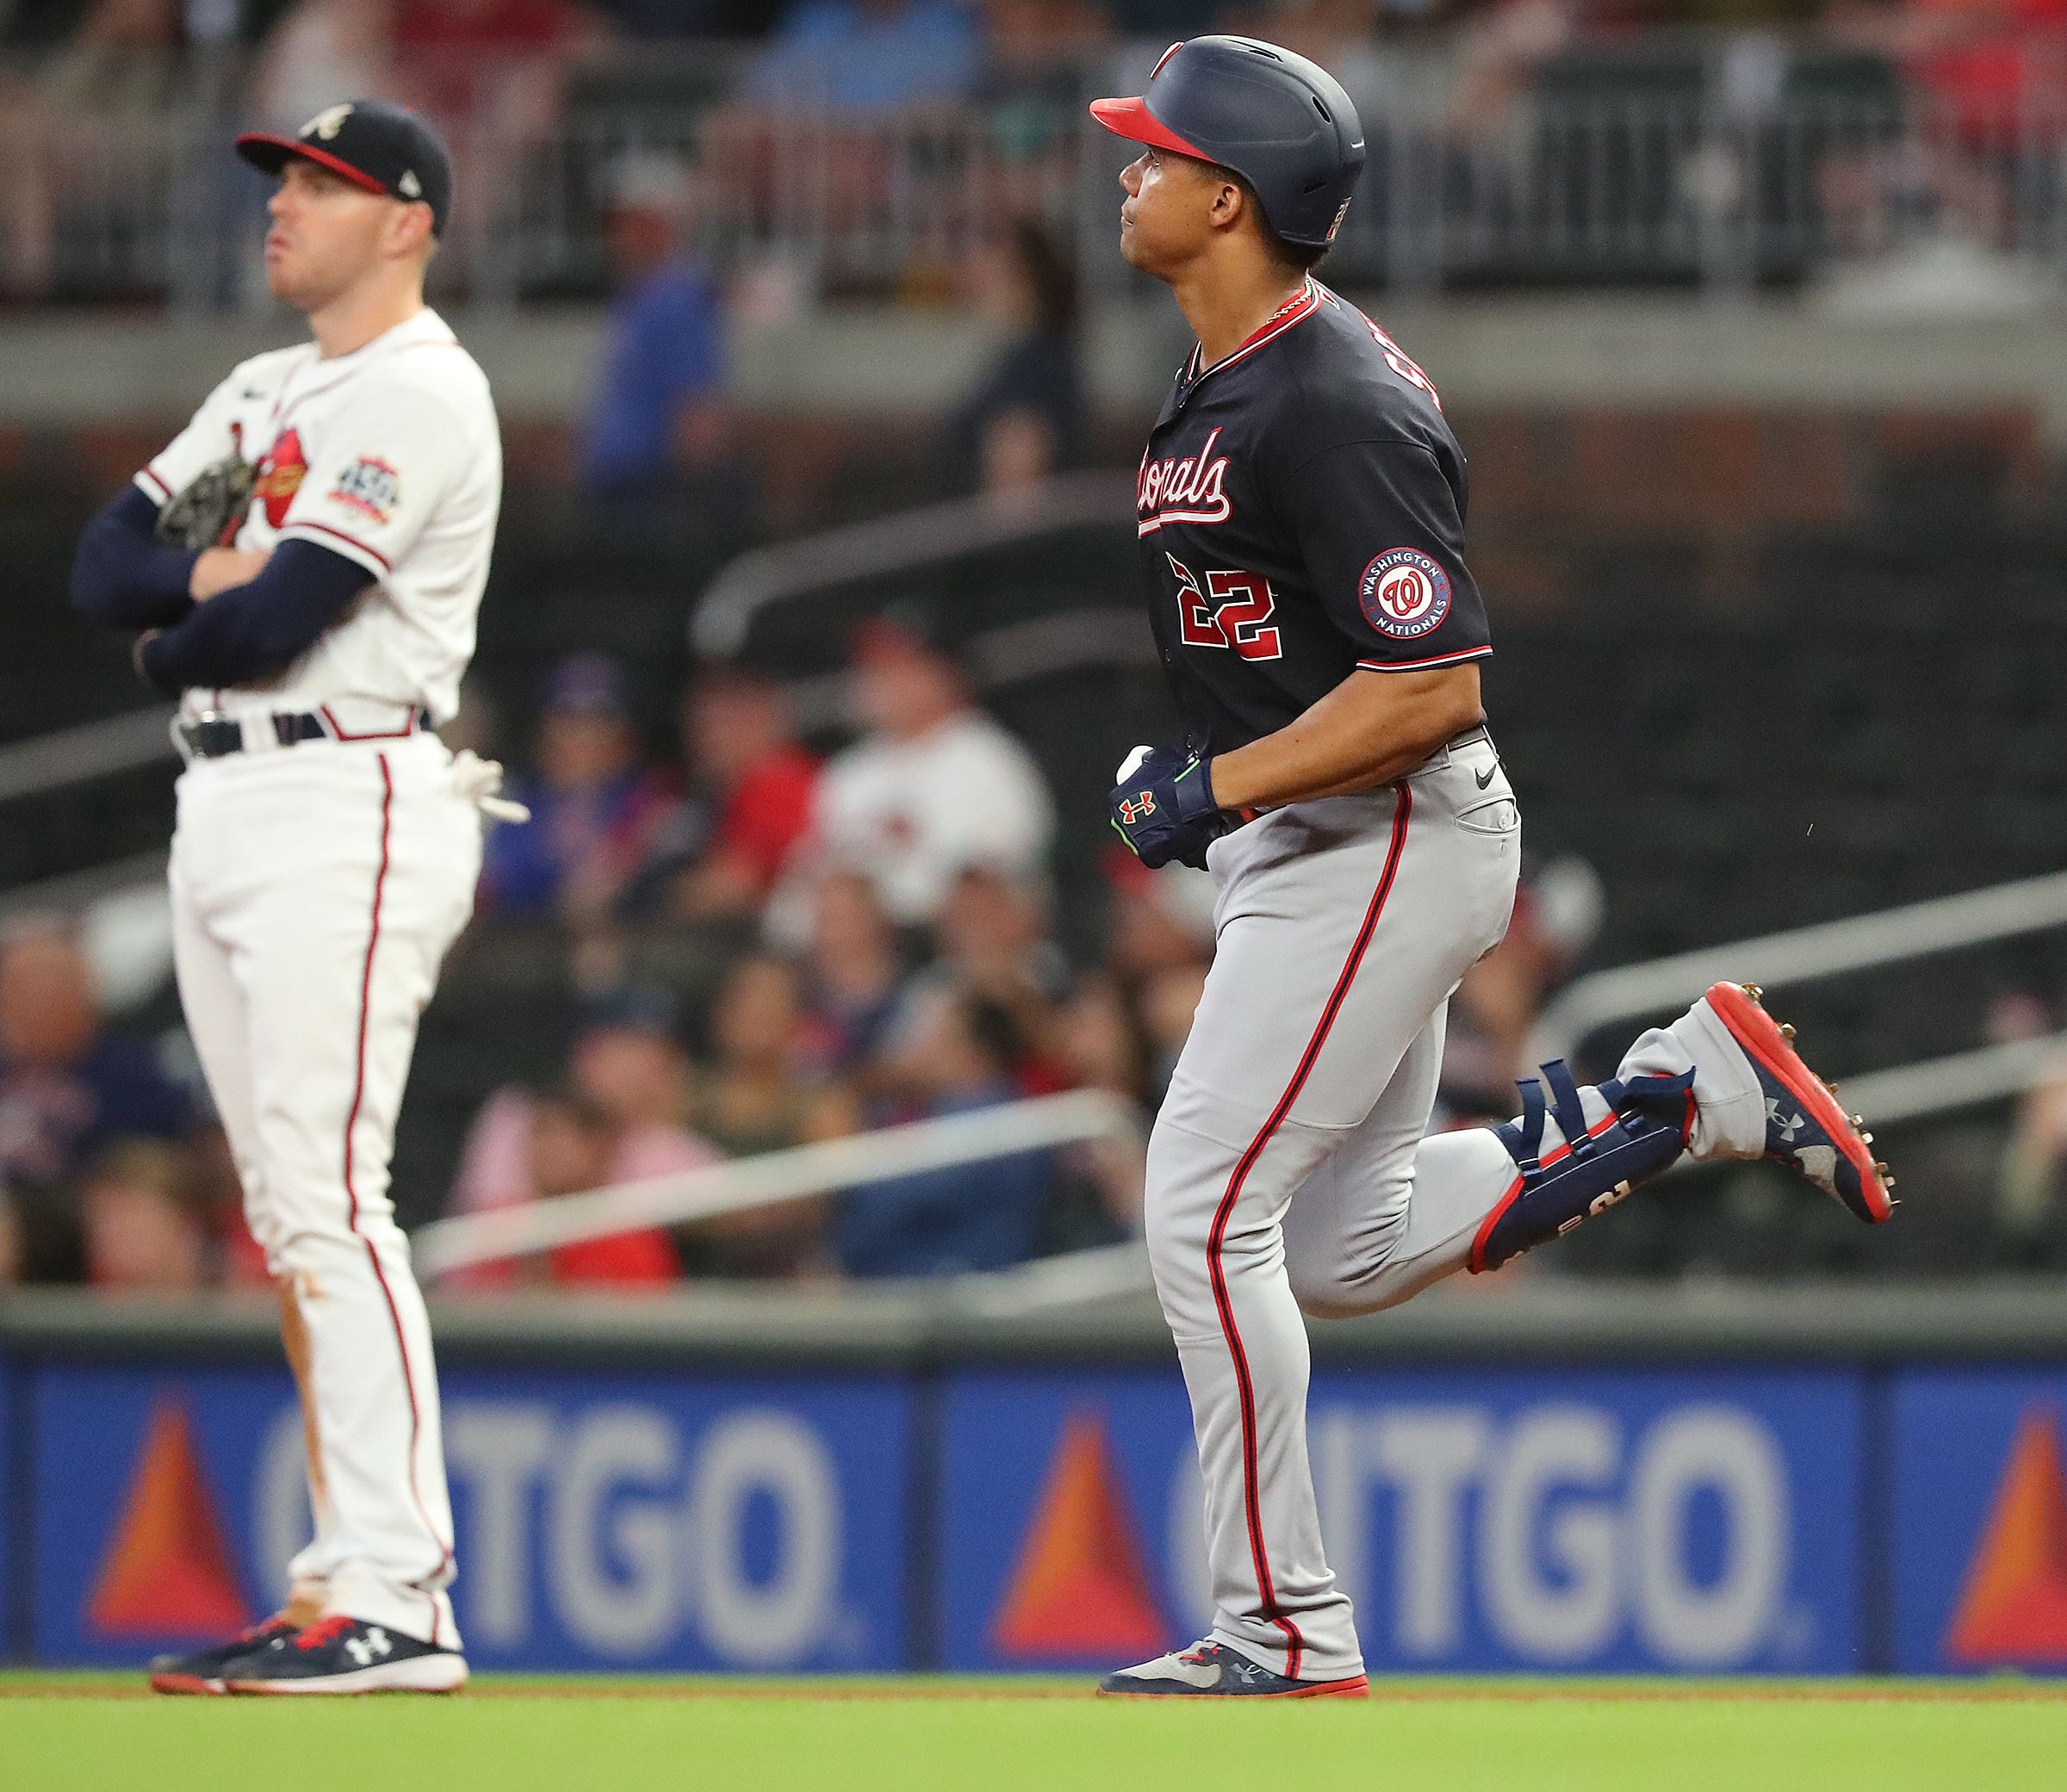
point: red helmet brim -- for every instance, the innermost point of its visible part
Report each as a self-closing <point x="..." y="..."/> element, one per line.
<point x="1132" y="118"/>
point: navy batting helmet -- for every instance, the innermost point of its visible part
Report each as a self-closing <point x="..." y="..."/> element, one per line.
<point x="1280" y="121"/>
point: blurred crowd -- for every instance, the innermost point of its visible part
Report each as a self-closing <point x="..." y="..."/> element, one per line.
<point x="91" y="85"/>
<point x="891" y="954"/>
<point x="897" y="961"/>
<point x="887" y="949"/>
<point x="901" y="966"/>
<point x="898" y="955"/>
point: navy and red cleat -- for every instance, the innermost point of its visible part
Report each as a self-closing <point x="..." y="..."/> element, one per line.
<point x="201" y="1671"/>
<point x="1805" y="1129"/>
<point x="345" y="1655"/>
<point x="1211" y="1670"/>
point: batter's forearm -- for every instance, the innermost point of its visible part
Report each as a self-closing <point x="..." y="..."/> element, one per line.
<point x="1373" y="728"/>
<point x="1274" y="770"/>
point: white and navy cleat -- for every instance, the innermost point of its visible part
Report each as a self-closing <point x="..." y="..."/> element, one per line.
<point x="1805" y="1129"/>
<point x="201" y="1672"/>
<point x="345" y="1655"/>
<point x="1211" y="1670"/>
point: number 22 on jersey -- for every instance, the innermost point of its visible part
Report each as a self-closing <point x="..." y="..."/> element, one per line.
<point x="1233" y="611"/>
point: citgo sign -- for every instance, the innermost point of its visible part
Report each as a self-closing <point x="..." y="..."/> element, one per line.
<point x="603" y="1521"/>
<point x="1980" y="1531"/>
<point x="1606" y="1522"/>
<point x="1660" y="1520"/>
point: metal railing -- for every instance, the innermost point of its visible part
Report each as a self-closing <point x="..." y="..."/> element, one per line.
<point x="1715" y="159"/>
<point x="773" y="1178"/>
<point x="79" y="755"/>
<point x="924" y="537"/>
<point x="1907" y="1092"/>
<point x="1888" y="936"/>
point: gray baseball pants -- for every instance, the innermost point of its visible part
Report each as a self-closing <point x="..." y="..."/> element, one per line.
<point x="1288" y="1168"/>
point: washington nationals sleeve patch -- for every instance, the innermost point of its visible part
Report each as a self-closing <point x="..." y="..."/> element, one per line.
<point x="1405" y="593"/>
<point x="368" y="485"/>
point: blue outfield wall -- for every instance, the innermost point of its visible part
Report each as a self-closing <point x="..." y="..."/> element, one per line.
<point x="1979" y="1521"/>
<point x="1601" y="1522"/>
<point x="602" y="1519"/>
<point x="12" y="1461"/>
<point x="1712" y="1520"/>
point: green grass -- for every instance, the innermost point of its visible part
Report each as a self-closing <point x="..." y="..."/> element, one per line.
<point x="512" y="1736"/>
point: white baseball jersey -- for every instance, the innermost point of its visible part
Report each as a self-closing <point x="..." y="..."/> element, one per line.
<point x="316" y="888"/>
<point x="389" y="455"/>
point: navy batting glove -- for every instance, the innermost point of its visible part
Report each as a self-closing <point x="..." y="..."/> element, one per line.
<point x="1164" y="807"/>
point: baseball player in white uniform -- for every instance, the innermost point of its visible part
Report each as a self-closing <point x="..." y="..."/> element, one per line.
<point x="303" y="565"/>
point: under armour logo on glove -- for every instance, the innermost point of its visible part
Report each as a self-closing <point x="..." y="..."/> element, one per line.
<point x="368" y="1649"/>
<point x="1162" y="807"/>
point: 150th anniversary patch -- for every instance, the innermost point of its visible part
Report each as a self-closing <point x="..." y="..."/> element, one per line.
<point x="369" y="487"/>
<point x="1405" y="593"/>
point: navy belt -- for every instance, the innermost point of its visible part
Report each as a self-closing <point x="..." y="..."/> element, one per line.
<point x="214" y="737"/>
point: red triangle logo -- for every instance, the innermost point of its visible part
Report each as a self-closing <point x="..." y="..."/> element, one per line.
<point x="167" y="1573"/>
<point x="1080" y="1588"/>
<point x="2013" y="1610"/>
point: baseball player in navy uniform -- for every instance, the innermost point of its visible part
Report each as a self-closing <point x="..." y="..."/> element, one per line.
<point x="1301" y="510"/>
<point x="302" y="567"/>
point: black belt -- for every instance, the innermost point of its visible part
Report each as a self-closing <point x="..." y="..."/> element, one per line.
<point x="214" y="737"/>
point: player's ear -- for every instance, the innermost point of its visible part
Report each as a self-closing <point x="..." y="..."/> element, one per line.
<point x="1229" y="204"/>
<point x="410" y="233"/>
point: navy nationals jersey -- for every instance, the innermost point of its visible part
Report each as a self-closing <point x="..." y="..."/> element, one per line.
<point x="1301" y="514"/>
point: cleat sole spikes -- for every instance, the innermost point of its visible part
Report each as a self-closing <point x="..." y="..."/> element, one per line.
<point x="1777" y="1062"/>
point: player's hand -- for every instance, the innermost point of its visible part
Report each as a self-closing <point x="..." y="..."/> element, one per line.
<point x="219" y="569"/>
<point x="1162" y="807"/>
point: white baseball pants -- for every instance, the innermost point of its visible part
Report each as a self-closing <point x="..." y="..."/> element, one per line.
<point x="315" y="891"/>
<point x="1288" y="1167"/>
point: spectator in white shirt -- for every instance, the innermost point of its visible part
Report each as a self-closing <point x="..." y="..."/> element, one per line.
<point x="934" y="786"/>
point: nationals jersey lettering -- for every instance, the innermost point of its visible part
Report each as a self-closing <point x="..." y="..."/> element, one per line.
<point x="1186" y="490"/>
<point x="389" y="455"/>
<point x="1301" y="506"/>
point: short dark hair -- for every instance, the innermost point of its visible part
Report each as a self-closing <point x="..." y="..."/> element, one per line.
<point x="1302" y="257"/>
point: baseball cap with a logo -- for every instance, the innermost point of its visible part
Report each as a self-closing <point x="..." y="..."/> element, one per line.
<point x="371" y="144"/>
